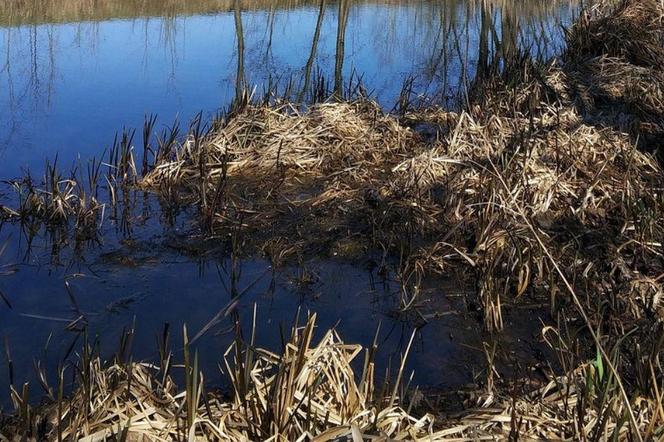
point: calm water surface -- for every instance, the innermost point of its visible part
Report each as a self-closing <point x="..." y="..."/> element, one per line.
<point x="71" y="77"/>
<point x="74" y="72"/>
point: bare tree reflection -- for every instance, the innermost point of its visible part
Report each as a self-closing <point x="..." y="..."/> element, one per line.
<point x="239" y="33"/>
<point x="312" y="54"/>
<point x="342" y="20"/>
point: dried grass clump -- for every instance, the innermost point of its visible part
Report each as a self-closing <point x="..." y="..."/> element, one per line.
<point x="57" y="202"/>
<point x="329" y="138"/>
<point x="581" y="187"/>
<point x="629" y="30"/>
<point x="614" y="61"/>
<point x="300" y="175"/>
<point x="309" y="392"/>
<point x="579" y="406"/>
<point x="611" y="71"/>
<point x="614" y="80"/>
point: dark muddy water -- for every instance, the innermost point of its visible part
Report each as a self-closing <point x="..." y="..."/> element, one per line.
<point x="159" y="275"/>
<point x="74" y="72"/>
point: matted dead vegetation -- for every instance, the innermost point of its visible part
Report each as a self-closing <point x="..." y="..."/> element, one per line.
<point x="540" y="191"/>
<point x="614" y="65"/>
<point x="309" y="392"/>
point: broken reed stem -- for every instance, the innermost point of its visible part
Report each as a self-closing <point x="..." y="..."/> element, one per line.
<point x="393" y="396"/>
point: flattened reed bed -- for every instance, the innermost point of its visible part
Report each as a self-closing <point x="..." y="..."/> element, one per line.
<point x="614" y="67"/>
<point x="344" y="172"/>
<point x="307" y="392"/>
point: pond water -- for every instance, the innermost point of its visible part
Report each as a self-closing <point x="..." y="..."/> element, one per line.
<point x="159" y="275"/>
<point x="74" y="72"/>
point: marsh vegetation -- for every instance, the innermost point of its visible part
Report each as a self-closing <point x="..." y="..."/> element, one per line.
<point x="541" y="185"/>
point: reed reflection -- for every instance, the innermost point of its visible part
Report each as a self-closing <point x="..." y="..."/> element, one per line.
<point x="105" y="67"/>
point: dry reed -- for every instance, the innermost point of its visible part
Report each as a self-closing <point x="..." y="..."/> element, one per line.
<point x="541" y="190"/>
<point x="309" y="392"/>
